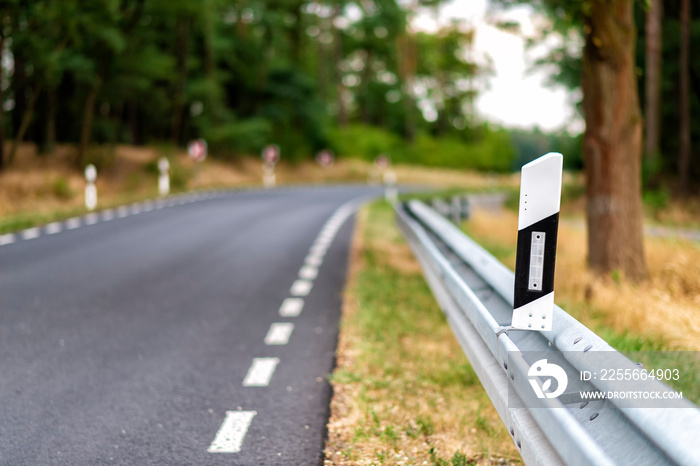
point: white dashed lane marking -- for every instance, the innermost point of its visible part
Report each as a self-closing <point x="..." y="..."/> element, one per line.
<point x="279" y="333"/>
<point x="108" y="215"/>
<point x="260" y="372"/>
<point x="318" y="250"/>
<point x="291" y="307"/>
<point x="73" y="223"/>
<point x="9" y="238"/>
<point x="31" y="233"/>
<point x="314" y="260"/>
<point x="301" y="288"/>
<point x="308" y="272"/>
<point x="229" y="438"/>
<point x="53" y="228"/>
<point x="91" y="219"/>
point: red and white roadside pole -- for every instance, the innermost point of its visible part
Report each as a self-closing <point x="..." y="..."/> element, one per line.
<point x="270" y="156"/>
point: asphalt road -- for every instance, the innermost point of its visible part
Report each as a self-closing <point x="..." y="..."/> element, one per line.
<point x="145" y="335"/>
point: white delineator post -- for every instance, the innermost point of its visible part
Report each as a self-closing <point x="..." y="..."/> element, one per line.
<point x="90" y="188"/>
<point x="538" y="224"/>
<point x="269" y="177"/>
<point x="164" y="177"/>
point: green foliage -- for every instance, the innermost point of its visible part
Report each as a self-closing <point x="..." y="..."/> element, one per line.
<point x="656" y="200"/>
<point x="493" y="151"/>
<point x="365" y="142"/>
<point x="246" y="136"/>
<point x="458" y="459"/>
<point x="243" y="75"/>
<point x="534" y="143"/>
<point x="61" y="188"/>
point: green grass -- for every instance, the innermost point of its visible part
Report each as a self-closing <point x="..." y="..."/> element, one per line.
<point x="414" y="395"/>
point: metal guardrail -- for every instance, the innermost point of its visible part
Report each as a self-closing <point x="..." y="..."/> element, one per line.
<point x="476" y="293"/>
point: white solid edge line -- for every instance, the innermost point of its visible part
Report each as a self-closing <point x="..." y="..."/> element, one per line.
<point x="301" y="288"/>
<point x="7" y="238"/>
<point x="229" y="438"/>
<point x="53" y="228"/>
<point x="31" y="233"/>
<point x="279" y="333"/>
<point x="291" y="307"/>
<point x="260" y="372"/>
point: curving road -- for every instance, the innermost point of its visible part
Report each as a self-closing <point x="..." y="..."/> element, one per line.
<point x="196" y="330"/>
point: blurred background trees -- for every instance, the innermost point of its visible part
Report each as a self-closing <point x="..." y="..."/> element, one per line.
<point x="354" y="76"/>
<point x="242" y="73"/>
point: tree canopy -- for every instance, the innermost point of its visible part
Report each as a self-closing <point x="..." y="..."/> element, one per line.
<point x="239" y="73"/>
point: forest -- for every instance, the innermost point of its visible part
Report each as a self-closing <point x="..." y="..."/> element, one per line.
<point x="352" y="76"/>
<point x="242" y="74"/>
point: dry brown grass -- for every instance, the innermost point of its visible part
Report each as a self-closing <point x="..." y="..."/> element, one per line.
<point x="665" y="308"/>
<point x="404" y="392"/>
<point x="49" y="183"/>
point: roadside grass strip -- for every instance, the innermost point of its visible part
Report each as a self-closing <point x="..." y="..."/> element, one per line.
<point x="404" y="393"/>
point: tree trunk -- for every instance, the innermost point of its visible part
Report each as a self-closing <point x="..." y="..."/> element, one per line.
<point x="24" y="125"/>
<point x="406" y="49"/>
<point x="48" y="138"/>
<point x="86" y="128"/>
<point x="366" y="100"/>
<point x="137" y="138"/>
<point x="2" y="109"/>
<point x="181" y="52"/>
<point x="337" y="72"/>
<point x="684" y="107"/>
<point x="19" y="86"/>
<point x="653" y="80"/>
<point x="612" y="141"/>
